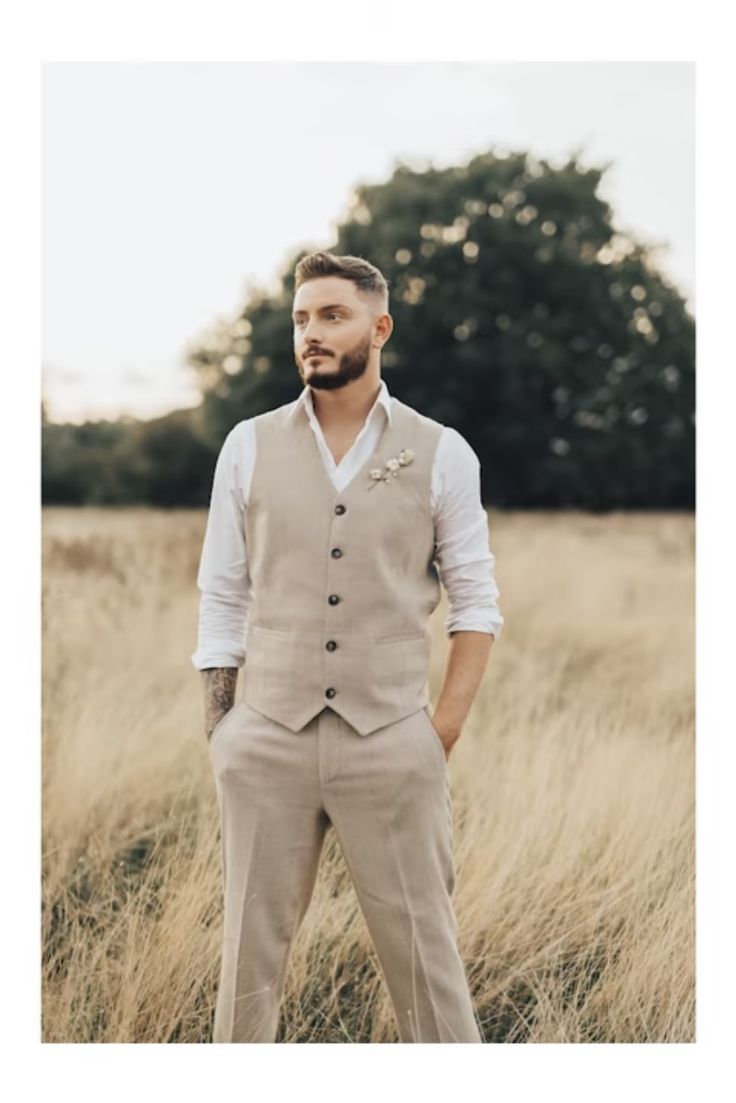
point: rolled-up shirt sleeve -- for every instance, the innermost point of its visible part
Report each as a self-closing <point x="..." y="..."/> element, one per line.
<point x="463" y="556"/>
<point x="223" y="579"/>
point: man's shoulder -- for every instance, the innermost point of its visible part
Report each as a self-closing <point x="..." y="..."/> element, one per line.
<point x="247" y="424"/>
<point x="451" y="443"/>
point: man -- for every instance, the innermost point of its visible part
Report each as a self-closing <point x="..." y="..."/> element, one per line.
<point x="326" y="517"/>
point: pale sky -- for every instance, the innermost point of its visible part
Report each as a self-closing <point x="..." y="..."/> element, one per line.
<point x="169" y="187"/>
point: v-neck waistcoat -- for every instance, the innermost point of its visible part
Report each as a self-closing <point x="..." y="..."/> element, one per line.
<point x="343" y="581"/>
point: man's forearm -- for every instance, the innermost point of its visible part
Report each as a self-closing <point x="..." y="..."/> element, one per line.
<point x="219" y="684"/>
<point x="466" y="663"/>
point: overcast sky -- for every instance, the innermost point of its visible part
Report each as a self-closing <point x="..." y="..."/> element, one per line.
<point x="168" y="187"/>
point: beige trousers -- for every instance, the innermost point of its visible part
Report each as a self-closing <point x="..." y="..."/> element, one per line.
<point x="387" y="795"/>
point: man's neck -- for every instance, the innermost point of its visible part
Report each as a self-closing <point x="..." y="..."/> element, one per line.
<point x="336" y="409"/>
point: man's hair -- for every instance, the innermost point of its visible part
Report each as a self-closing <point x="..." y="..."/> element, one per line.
<point x="367" y="278"/>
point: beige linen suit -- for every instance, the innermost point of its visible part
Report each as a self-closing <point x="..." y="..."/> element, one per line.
<point x="332" y="728"/>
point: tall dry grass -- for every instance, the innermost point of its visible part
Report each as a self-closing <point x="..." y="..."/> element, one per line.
<point x="573" y="790"/>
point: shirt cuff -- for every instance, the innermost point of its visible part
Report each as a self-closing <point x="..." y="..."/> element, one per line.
<point x="476" y="623"/>
<point x="218" y="654"/>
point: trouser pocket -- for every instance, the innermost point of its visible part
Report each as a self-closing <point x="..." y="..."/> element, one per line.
<point x="438" y="744"/>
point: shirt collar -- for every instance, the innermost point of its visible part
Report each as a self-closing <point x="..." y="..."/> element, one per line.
<point x="305" y="400"/>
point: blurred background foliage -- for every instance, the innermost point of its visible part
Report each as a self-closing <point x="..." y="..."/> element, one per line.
<point x="523" y="318"/>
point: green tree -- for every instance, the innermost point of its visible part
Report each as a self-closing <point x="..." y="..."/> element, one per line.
<point x="523" y="318"/>
<point x="178" y="465"/>
<point x="161" y="462"/>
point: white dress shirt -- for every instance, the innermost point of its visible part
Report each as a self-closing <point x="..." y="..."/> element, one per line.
<point x="463" y="559"/>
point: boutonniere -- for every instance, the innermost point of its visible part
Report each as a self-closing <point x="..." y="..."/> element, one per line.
<point x="391" y="468"/>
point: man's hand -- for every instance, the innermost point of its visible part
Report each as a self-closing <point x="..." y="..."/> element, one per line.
<point x="219" y="684"/>
<point x="448" y="734"/>
<point x="466" y="663"/>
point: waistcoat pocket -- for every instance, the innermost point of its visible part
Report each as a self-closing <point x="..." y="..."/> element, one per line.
<point x="400" y="638"/>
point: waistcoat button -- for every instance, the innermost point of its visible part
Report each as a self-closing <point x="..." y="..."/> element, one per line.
<point x="330" y="692"/>
<point x="339" y="509"/>
<point x="336" y="553"/>
<point x="330" y="645"/>
<point x="333" y="599"/>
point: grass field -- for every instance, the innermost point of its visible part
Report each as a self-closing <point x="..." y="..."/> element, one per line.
<point x="573" y="790"/>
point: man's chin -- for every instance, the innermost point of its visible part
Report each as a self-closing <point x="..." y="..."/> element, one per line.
<point x="325" y="382"/>
<point x="318" y="377"/>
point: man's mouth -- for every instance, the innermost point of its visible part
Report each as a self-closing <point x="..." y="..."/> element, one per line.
<point x="313" y="355"/>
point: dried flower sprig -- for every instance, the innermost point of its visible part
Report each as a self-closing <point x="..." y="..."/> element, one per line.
<point x="376" y="474"/>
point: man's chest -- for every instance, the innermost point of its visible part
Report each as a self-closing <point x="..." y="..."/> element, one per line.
<point x="340" y="443"/>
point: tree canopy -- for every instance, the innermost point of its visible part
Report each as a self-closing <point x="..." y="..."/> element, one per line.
<point x="522" y="317"/>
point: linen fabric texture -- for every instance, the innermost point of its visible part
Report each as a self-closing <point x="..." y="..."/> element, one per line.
<point x="333" y="729"/>
<point x="388" y="798"/>
<point x="341" y="599"/>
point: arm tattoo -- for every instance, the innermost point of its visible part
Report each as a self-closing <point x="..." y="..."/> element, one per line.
<point x="219" y="694"/>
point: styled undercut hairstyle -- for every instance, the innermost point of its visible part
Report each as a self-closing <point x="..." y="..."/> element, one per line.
<point x="367" y="278"/>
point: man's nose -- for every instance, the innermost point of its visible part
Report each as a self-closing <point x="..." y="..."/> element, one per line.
<point x="312" y="336"/>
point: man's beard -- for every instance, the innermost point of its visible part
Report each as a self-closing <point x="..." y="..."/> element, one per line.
<point x="352" y="365"/>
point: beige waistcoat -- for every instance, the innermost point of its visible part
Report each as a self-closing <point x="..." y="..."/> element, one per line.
<point x="343" y="581"/>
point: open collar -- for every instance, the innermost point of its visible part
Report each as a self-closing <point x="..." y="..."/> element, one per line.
<point x="305" y="400"/>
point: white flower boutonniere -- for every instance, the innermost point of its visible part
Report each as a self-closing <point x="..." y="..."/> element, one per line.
<point x="391" y="468"/>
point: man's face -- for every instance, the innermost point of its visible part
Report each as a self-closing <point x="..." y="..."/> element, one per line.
<point x="331" y="319"/>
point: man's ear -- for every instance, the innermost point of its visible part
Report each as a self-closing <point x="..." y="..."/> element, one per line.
<point x="384" y="329"/>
